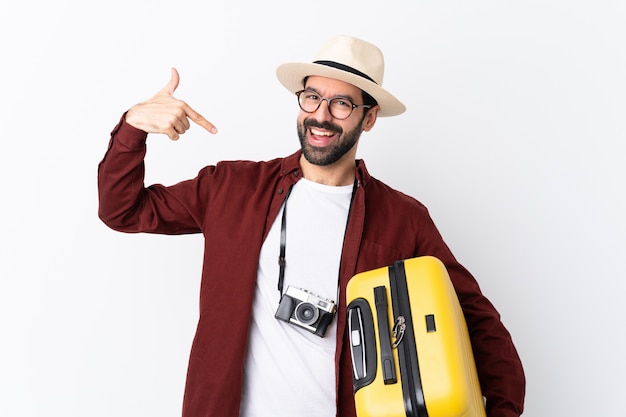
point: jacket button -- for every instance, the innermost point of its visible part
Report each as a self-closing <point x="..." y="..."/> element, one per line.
<point x="280" y="191"/>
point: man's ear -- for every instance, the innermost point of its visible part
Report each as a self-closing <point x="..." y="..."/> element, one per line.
<point x="370" y="118"/>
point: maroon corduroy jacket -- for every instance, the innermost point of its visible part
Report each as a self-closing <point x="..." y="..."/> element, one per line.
<point x="233" y="204"/>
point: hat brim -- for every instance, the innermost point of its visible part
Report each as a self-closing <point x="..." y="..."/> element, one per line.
<point x="292" y="74"/>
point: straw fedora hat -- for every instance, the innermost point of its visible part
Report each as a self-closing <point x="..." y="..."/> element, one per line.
<point x="347" y="59"/>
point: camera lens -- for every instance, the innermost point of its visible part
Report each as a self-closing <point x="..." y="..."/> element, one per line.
<point x="306" y="313"/>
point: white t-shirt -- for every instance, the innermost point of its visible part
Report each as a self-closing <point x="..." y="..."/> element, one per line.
<point x="290" y="371"/>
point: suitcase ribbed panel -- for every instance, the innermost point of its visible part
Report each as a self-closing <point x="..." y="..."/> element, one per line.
<point x="408" y="354"/>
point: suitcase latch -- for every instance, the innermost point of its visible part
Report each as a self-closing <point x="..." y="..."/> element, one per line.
<point x="398" y="331"/>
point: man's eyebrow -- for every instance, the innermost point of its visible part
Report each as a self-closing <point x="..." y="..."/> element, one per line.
<point x="346" y="96"/>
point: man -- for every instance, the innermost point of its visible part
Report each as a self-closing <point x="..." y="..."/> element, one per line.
<point x="321" y="213"/>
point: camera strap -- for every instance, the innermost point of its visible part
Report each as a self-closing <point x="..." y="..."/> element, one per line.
<point x="283" y="237"/>
<point x="283" y="245"/>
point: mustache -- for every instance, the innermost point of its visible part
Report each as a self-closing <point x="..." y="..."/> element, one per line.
<point x="308" y="123"/>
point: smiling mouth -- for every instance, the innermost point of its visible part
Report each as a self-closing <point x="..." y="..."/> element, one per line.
<point x="320" y="138"/>
<point x="318" y="132"/>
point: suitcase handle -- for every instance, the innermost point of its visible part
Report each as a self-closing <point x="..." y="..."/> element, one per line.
<point x="384" y="336"/>
<point x="362" y="343"/>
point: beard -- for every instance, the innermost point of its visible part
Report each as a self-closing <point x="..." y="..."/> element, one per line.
<point x="333" y="152"/>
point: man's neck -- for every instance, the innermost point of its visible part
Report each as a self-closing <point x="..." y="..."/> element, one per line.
<point x="340" y="173"/>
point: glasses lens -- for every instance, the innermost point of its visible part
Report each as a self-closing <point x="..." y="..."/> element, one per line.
<point x="309" y="101"/>
<point x="340" y="108"/>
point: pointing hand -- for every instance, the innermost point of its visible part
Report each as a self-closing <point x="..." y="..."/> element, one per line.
<point x="165" y="114"/>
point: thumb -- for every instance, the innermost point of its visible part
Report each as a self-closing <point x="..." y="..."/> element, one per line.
<point x="172" y="85"/>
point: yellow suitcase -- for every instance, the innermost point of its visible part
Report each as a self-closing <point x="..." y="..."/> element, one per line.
<point x="411" y="354"/>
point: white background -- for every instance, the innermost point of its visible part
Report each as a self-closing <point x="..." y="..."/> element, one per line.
<point x="513" y="137"/>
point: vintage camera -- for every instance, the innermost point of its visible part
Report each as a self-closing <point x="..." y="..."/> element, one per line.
<point x="303" y="309"/>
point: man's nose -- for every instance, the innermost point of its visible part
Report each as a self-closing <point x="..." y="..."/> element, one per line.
<point x="323" y="111"/>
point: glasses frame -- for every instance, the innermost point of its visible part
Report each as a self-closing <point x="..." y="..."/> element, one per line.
<point x="328" y="100"/>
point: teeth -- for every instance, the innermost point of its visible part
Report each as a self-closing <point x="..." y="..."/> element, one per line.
<point x="321" y="132"/>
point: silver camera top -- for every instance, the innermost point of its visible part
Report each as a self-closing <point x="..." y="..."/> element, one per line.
<point x="306" y="296"/>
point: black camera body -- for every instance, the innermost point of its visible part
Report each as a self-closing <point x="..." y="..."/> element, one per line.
<point x="306" y="310"/>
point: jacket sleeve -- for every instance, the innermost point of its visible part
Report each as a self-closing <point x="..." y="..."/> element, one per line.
<point x="126" y="205"/>
<point x="498" y="364"/>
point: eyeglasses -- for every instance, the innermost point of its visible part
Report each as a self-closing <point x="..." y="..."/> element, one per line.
<point x="339" y="107"/>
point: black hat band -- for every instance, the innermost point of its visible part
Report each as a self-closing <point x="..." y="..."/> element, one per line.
<point x="346" y="68"/>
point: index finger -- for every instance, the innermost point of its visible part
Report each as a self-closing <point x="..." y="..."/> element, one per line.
<point x="198" y="119"/>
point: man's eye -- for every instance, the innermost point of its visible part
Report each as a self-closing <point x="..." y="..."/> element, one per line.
<point x="339" y="102"/>
<point x="312" y="96"/>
